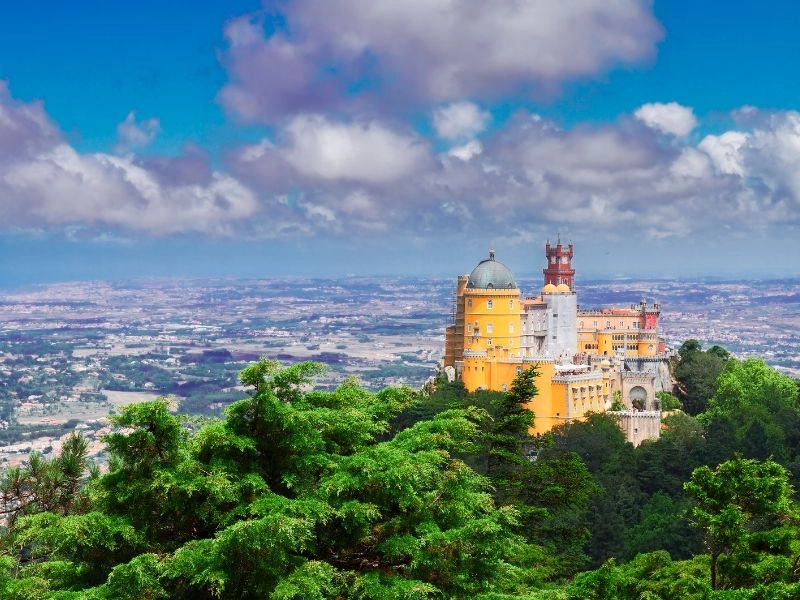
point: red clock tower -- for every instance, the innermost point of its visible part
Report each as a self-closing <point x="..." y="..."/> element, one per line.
<point x="559" y="264"/>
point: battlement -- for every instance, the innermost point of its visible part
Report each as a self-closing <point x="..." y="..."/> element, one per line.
<point x="639" y="414"/>
<point x="636" y="374"/>
<point x="572" y="377"/>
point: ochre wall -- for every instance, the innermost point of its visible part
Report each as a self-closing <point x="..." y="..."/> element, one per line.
<point x="503" y="316"/>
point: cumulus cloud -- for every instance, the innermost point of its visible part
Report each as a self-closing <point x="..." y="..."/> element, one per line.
<point x="133" y="134"/>
<point x="361" y="151"/>
<point x="613" y="180"/>
<point x="725" y="151"/>
<point x="670" y="118"/>
<point x="316" y="175"/>
<point x="426" y="50"/>
<point x="45" y="182"/>
<point x="467" y="151"/>
<point x="460" y="120"/>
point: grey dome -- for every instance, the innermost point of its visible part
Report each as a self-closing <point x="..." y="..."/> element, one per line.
<point x="491" y="274"/>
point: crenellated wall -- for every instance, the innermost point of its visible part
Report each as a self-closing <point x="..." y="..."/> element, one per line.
<point x="639" y="426"/>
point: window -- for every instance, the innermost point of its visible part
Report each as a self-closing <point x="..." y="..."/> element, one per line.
<point x="489" y="328"/>
<point x="469" y="327"/>
<point x="595" y="323"/>
<point x="581" y="323"/>
<point x="608" y="323"/>
<point x="621" y="324"/>
<point x="489" y="342"/>
<point x="519" y="370"/>
<point x="555" y="315"/>
<point x="510" y="304"/>
<point x="489" y="304"/>
<point x="510" y="328"/>
<point x="503" y="387"/>
<point x="469" y="302"/>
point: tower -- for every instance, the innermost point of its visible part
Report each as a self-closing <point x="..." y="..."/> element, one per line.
<point x="559" y="264"/>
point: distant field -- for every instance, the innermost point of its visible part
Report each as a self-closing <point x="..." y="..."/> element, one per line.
<point x="60" y="413"/>
<point x="123" y="398"/>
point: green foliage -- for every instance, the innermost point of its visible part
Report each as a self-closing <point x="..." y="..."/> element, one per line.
<point x="697" y="374"/>
<point x="755" y="411"/>
<point x="661" y="526"/>
<point x="294" y="494"/>
<point x="751" y="382"/>
<point x="688" y="348"/>
<point x="46" y="484"/>
<point x="509" y="433"/>
<point x="617" y="403"/>
<point x="743" y="510"/>
<point x="668" y="401"/>
<point x="553" y="497"/>
<point x="297" y="493"/>
<point x="615" y="505"/>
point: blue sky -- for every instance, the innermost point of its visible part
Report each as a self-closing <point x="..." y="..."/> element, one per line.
<point x="397" y="137"/>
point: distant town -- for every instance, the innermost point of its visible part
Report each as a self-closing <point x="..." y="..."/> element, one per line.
<point x="71" y="353"/>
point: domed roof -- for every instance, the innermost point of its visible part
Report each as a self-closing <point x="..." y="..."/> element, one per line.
<point x="562" y="288"/>
<point x="549" y="289"/>
<point x="491" y="274"/>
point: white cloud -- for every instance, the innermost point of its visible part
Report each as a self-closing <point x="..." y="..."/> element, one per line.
<point x="359" y="151"/>
<point x="670" y="118"/>
<point x="467" y="151"/>
<point x="133" y="134"/>
<point x="460" y="121"/>
<point x="725" y="151"/>
<point x="429" y="50"/>
<point x="691" y="163"/>
<point x="45" y="182"/>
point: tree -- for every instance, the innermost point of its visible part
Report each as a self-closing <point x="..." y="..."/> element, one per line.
<point x="742" y="509"/>
<point x="509" y="432"/>
<point x="46" y="484"/>
<point x="668" y="401"/>
<point x="752" y="382"/>
<point x="719" y="351"/>
<point x="661" y="526"/>
<point x="553" y="499"/>
<point x="697" y="374"/>
<point x="689" y="347"/>
<point x="294" y="494"/>
<point x="615" y="505"/>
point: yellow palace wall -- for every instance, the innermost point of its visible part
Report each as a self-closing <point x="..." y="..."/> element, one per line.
<point x="555" y="403"/>
<point x="495" y="316"/>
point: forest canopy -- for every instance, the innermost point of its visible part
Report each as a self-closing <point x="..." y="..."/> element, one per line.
<point x="302" y="493"/>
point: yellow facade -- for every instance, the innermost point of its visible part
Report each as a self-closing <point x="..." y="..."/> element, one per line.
<point x="491" y="320"/>
<point x="609" y="342"/>
<point x="562" y="398"/>
<point x="484" y="345"/>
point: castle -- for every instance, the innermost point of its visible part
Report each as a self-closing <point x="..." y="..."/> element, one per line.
<point x="586" y="359"/>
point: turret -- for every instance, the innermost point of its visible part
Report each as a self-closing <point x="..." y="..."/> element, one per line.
<point x="559" y="264"/>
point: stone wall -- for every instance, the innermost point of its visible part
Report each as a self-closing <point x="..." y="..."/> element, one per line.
<point x="658" y="366"/>
<point x="638" y="426"/>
